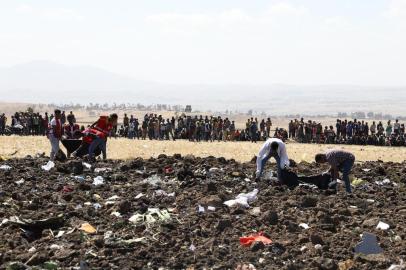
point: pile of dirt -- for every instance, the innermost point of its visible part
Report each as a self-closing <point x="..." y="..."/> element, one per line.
<point x="169" y="213"/>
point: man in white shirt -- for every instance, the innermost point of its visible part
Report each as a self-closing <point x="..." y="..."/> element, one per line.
<point x="275" y="148"/>
<point x="55" y="133"/>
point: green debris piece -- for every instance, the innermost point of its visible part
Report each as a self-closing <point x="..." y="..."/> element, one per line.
<point x="16" y="266"/>
<point x="50" y="265"/>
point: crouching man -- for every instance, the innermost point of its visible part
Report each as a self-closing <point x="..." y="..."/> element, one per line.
<point x="275" y="148"/>
<point x="339" y="160"/>
<point x="101" y="130"/>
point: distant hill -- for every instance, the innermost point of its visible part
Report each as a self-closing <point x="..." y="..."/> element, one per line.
<point x="41" y="81"/>
<point x="46" y="82"/>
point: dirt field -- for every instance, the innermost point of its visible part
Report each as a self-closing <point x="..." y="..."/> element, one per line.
<point x="177" y="213"/>
<point x="240" y="151"/>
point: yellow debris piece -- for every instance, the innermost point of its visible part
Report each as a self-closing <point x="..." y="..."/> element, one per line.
<point x="86" y="227"/>
<point x="358" y="182"/>
<point x="346" y="265"/>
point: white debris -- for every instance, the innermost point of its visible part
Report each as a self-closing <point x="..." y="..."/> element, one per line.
<point x="87" y="165"/>
<point x="255" y="211"/>
<point x="214" y="169"/>
<point x="384" y="182"/>
<point x="19" y="182"/>
<point x="97" y="206"/>
<point x="304" y="226"/>
<point x="269" y="175"/>
<point x="60" y="233"/>
<point x="79" y="178"/>
<point x="153" y="180"/>
<point x="382" y="226"/>
<point x="55" y="247"/>
<point x="109" y="203"/>
<point x="98" y="181"/>
<point x="370" y="201"/>
<point x="161" y="192"/>
<point x="99" y="170"/>
<point x="48" y="166"/>
<point x="32" y="250"/>
<point x="134" y="240"/>
<point x="261" y="260"/>
<point x="211" y="208"/>
<point x="151" y="216"/>
<point x="243" y="199"/>
<point x="137" y="218"/>
<point x="400" y="266"/>
<point x="108" y="234"/>
<point x="366" y="170"/>
<point x="139" y="196"/>
<point x="4" y="221"/>
<point x="192" y="247"/>
<point x="116" y="214"/>
<point x="303" y="248"/>
<point x="5" y="167"/>
<point x="200" y="209"/>
<point x="318" y="246"/>
<point x="113" y="198"/>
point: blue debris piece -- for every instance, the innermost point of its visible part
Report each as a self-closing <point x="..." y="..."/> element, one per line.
<point x="369" y="245"/>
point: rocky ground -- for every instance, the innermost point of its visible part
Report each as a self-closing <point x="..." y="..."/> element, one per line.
<point x="151" y="214"/>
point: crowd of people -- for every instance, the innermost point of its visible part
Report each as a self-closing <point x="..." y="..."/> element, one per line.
<point x="195" y="128"/>
<point x="348" y="132"/>
<point x="28" y="123"/>
<point x="216" y="128"/>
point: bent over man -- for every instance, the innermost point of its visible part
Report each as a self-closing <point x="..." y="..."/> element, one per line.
<point x="275" y="148"/>
<point x="100" y="130"/>
<point x="339" y="160"/>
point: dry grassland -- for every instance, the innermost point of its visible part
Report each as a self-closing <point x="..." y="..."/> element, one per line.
<point x="241" y="151"/>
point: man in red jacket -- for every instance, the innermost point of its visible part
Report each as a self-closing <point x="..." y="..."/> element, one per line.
<point x="100" y="130"/>
<point x="83" y="148"/>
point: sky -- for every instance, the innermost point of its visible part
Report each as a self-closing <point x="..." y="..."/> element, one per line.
<point x="358" y="42"/>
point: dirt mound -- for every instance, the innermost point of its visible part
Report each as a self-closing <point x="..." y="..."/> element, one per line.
<point x="169" y="212"/>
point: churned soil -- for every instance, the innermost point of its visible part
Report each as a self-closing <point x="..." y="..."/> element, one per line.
<point x="42" y="212"/>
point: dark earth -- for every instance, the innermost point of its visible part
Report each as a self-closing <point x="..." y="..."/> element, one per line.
<point x="52" y="205"/>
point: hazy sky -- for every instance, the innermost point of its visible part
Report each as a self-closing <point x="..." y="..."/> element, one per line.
<point x="214" y="41"/>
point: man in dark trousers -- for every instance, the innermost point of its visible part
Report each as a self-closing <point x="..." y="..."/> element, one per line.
<point x="339" y="160"/>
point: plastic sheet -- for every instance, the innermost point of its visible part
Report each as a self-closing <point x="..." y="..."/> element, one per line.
<point x="243" y="199"/>
<point x="368" y="245"/>
<point x="48" y="166"/>
<point x="98" y="181"/>
<point x="259" y="237"/>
